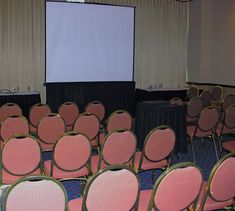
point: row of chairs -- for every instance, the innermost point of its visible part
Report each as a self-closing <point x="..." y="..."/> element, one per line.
<point x="72" y="154"/>
<point x="52" y="126"/>
<point x="69" y="111"/>
<point x="117" y="187"/>
<point x="214" y="96"/>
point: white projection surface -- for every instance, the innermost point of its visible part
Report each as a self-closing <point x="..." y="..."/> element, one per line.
<point x="89" y="42"/>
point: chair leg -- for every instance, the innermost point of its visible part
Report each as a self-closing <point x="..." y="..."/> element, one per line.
<point x="216" y="152"/>
<point x="193" y="152"/>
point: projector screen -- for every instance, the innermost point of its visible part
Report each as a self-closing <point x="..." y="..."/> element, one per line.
<point x="89" y="42"/>
<point x="211" y="42"/>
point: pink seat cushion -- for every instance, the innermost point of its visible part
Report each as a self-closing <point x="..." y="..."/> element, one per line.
<point x="229" y="145"/>
<point x="191" y="130"/>
<point x="59" y="174"/>
<point x="9" y="178"/>
<point x="210" y="203"/>
<point x="144" y="200"/>
<point x="75" y="204"/>
<point x="146" y="164"/>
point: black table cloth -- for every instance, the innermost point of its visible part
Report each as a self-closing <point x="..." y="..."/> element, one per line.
<point x="150" y="114"/>
<point x="24" y="99"/>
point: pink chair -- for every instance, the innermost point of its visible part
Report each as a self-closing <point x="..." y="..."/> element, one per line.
<point x="227" y="127"/>
<point x="69" y="111"/>
<point x="36" y="193"/>
<point x="205" y="128"/>
<point x="36" y="113"/>
<point x="114" y="188"/>
<point x="176" y="189"/>
<point x="118" y="148"/>
<point x="194" y="108"/>
<point x="71" y="157"/>
<point x="9" y="109"/>
<point x="217" y="95"/>
<point x="219" y="191"/>
<point x="50" y="128"/>
<point x="119" y="119"/>
<point x="97" y="108"/>
<point x="157" y="151"/>
<point x="13" y="125"/>
<point x="88" y="124"/>
<point x="192" y="92"/>
<point x="21" y="156"/>
<point x="228" y="100"/>
<point x="206" y="98"/>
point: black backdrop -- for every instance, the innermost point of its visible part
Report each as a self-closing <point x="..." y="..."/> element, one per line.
<point x="114" y="95"/>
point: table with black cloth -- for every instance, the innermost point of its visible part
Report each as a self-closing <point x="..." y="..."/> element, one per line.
<point x="24" y="99"/>
<point x="160" y="94"/>
<point x="150" y="114"/>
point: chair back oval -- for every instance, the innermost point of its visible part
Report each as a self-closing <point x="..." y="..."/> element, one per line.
<point x="37" y="112"/>
<point x="221" y="182"/>
<point x="36" y="193"/>
<point x="97" y="108"/>
<point x="72" y="152"/>
<point x="228" y="100"/>
<point x="159" y="143"/>
<point x="119" y="119"/>
<point x="21" y="156"/>
<point x="9" y="109"/>
<point x="114" y="188"/>
<point x="194" y="107"/>
<point x="206" y="98"/>
<point x="192" y="92"/>
<point x="50" y="128"/>
<point x="119" y="147"/>
<point x="13" y="125"/>
<point x="177" y="188"/>
<point x="208" y="119"/>
<point x="69" y="111"/>
<point x="217" y="93"/>
<point x="88" y="124"/>
<point x="229" y="120"/>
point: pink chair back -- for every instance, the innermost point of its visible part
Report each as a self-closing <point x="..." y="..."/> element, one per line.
<point x="37" y="112"/>
<point x="217" y="93"/>
<point x="119" y="119"/>
<point x="192" y="92"/>
<point x="36" y="193"/>
<point x="118" y="148"/>
<point x="69" y="111"/>
<point x="177" y="188"/>
<point x="159" y="143"/>
<point x="177" y="101"/>
<point x="208" y="119"/>
<point x="9" y="109"/>
<point x="21" y="156"/>
<point x="114" y="188"/>
<point x="72" y="152"/>
<point x="14" y="125"/>
<point x="49" y="130"/>
<point x="222" y="186"/>
<point x="194" y="107"/>
<point x="97" y="108"/>
<point x="228" y="100"/>
<point x="88" y="124"/>
<point x="206" y="98"/>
